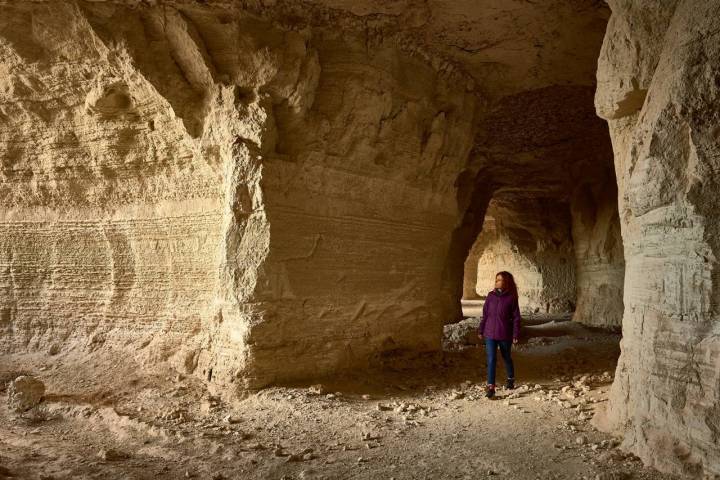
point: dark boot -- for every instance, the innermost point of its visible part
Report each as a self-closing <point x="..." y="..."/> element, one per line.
<point x="490" y="391"/>
<point x="510" y="383"/>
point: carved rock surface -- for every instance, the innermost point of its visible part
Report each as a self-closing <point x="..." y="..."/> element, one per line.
<point x="598" y="250"/>
<point x="658" y="89"/>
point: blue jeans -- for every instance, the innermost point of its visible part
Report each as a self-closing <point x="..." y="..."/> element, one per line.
<point x="491" y="347"/>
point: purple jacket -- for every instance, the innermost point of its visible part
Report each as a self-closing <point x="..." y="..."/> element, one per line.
<point x="501" y="317"/>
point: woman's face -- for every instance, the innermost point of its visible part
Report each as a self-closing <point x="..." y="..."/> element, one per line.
<point x="499" y="282"/>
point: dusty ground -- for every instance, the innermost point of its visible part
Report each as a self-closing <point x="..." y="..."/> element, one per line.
<point x="421" y="422"/>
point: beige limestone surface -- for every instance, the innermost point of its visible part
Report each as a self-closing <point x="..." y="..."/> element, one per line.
<point x="598" y="250"/>
<point x="658" y="89"/>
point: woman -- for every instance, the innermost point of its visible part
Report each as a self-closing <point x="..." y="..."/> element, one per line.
<point x="500" y="327"/>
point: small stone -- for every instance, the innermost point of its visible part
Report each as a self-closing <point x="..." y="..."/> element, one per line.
<point x="24" y="393"/>
<point x="317" y="389"/>
<point x="366" y="397"/>
<point x="111" y="455"/>
<point x="232" y="419"/>
<point x="581" y="440"/>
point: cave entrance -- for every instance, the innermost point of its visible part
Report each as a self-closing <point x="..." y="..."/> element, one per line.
<point x="532" y="239"/>
<point x="566" y="255"/>
<point x="543" y="205"/>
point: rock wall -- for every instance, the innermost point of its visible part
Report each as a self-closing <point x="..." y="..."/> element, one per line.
<point x="598" y="247"/>
<point x="658" y="78"/>
<point x="361" y="201"/>
<point x="132" y="217"/>
<point x="470" y="270"/>
<point x="251" y="202"/>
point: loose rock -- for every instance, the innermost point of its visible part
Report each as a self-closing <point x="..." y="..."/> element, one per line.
<point x="24" y="393"/>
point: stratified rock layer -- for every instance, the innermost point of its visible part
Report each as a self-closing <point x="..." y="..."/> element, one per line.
<point x="598" y="249"/>
<point x="252" y="202"/>
<point x="658" y="88"/>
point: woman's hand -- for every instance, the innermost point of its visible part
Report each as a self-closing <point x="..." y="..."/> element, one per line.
<point x="515" y="340"/>
<point x="480" y="336"/>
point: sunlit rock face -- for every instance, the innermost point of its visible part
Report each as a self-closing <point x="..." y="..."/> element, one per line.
<point x="251" y="202"/>
<point x="132" y="215"/>
<point x="658" y="89"/>
<point x="266" y="192"/>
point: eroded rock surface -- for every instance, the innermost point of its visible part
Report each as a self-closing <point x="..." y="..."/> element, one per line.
<point x="24" y="393"/>
<point x="658" y="89"/>
<point x="598" y="250"/>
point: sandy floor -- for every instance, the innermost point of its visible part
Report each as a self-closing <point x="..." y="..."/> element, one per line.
<point x="422" y="422"/>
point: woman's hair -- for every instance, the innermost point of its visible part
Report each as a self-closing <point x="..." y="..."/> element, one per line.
<point x="510" y="284"/>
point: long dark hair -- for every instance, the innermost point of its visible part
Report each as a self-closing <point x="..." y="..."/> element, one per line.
<point x="509" y="282"/>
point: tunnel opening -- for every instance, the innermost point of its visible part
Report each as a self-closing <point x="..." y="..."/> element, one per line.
<point x="531" y="238"/>
<point x="543" y="205"/>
